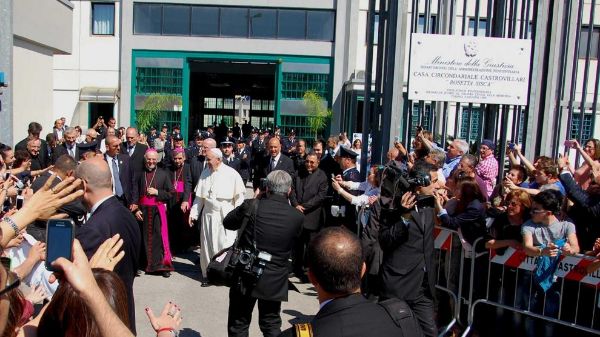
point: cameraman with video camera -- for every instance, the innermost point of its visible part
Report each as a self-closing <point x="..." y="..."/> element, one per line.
<point x="263" y="266"/>
<point x="405" y="217"/>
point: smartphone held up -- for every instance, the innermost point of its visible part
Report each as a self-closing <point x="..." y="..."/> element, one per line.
<point x="59" y="240"/>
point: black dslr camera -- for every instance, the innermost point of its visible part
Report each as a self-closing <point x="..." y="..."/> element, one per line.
<point x="250" y="265"/>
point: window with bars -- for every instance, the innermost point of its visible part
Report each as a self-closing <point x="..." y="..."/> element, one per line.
<point x="421" y="24"/>
<point x="158" y="80"/>
<point x="210" y="103"/>
<point x="587" y="126"/>
<point x="294" y="85"/>
<point x="583" y="41"/>
<point x="262" y="122"/>
<point x="216" y="119"/>
<point x="481" y="27"/>
<point x="300" y="126"/>
<point x="473" y="122"/>
<point x="414" y="121"/>
<point x="256" y="104"/>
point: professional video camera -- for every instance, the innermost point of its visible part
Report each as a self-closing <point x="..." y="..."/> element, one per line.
<point x="395" y="181"/>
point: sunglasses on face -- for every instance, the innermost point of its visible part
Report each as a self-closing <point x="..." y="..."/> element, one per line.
<point x="12" y="280"/>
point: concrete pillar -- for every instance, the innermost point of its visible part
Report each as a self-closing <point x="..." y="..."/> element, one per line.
<point x="6" y="66"/>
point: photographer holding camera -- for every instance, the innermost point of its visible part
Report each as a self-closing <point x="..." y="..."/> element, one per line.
<point x="405" y="221"/>
<point x="266" y="243"/>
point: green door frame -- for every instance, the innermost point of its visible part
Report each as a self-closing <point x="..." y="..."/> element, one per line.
<point x="216" y="56"/>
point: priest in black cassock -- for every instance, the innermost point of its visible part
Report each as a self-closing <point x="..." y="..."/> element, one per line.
<point x="181" y="235"/>
<point x="153" y="189"/>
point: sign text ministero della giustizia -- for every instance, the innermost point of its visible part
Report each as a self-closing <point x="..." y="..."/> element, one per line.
<point x="469" y="69"/>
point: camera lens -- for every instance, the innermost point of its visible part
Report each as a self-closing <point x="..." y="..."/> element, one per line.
<point x="244" y="258"/>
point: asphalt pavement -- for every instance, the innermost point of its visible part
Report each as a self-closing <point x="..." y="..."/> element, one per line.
<point x="205" y="309"/>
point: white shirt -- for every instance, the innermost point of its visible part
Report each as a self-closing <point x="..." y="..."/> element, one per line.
<point x="96" y="205"/>
<point x="109" y="160"/>
<point x="275" y="160"/>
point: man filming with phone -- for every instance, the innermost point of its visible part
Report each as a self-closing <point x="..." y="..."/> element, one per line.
<point x="269" y="236"/>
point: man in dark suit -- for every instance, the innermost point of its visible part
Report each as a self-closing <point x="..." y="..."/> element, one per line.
<point x="34" y="130"/>
<point x="335" y="269"/>
<point x="299" y="157"/>
<point x="63" y="168"/>
<point x="134" y="149"/>
<point x="272" y="236"/>
<point x="309" y="193"/>
<point x="108" y="217"/>
<point x="244" y="154"/>
<point x="120" y="170"/>
<point x="68" y="147"/>
<point x="275" y="161"/>
<point x="39" y="159"/>
<point x="259" y="152"/>
<point x="406" y="239"/>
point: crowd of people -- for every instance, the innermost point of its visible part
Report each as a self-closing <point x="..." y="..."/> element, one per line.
<point x="141" y="199"/>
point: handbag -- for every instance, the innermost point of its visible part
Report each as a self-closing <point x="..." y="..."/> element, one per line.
<point x="221" y="268"/>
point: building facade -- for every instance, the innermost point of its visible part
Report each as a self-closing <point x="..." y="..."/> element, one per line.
<point x="87" y="80"/>
<point x="209" y="55"/>
<point x="41" y="29"/>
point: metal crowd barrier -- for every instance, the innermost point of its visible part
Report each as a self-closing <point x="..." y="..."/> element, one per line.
<point x="577" y="312"/>
<point x="449" y="253"/>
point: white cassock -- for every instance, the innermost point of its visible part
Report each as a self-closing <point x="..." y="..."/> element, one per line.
<point x="217" y="194"/>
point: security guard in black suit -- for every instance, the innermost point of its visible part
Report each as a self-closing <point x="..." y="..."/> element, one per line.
<point x="273" y="229"/>
<point x="259" y="152"/>
<point x="244" y="154"/>
<point x="335" y="268"/>
<point x="406" y="239"/>
<point x="229" y="157"/>
<point x="346" y="212"/>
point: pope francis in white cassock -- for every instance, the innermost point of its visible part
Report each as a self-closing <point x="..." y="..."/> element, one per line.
<point x="220" y="189"/>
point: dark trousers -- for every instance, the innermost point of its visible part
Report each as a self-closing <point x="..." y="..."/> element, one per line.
<point x="422" y="306"/>
<point x="240" y="315"/>
<point x="300" y="248"/>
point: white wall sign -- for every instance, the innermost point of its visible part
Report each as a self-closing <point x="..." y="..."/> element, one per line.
<point x="469" y="69"/>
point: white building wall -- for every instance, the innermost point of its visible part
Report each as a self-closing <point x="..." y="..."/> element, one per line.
<point x="32" y="88"/>
<point x="94" y="62"/>
<point x="42" y="28"/>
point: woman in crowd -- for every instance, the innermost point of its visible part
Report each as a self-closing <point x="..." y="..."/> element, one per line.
<point x="79" y="133"/>
<point x="467" y="212"/>
<point x="357" y="147"/>
<point x="590" y="154"/>
<point x="68" y="315"/>
<point x="506" y="228"/>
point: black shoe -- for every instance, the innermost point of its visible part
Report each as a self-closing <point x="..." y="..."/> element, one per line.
<point x="166" y="274"/>
<point x="205" y="284"/>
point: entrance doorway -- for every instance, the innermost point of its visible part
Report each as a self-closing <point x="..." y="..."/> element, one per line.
<point x="106" y="110"/>
<point x="233" y="92"/>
